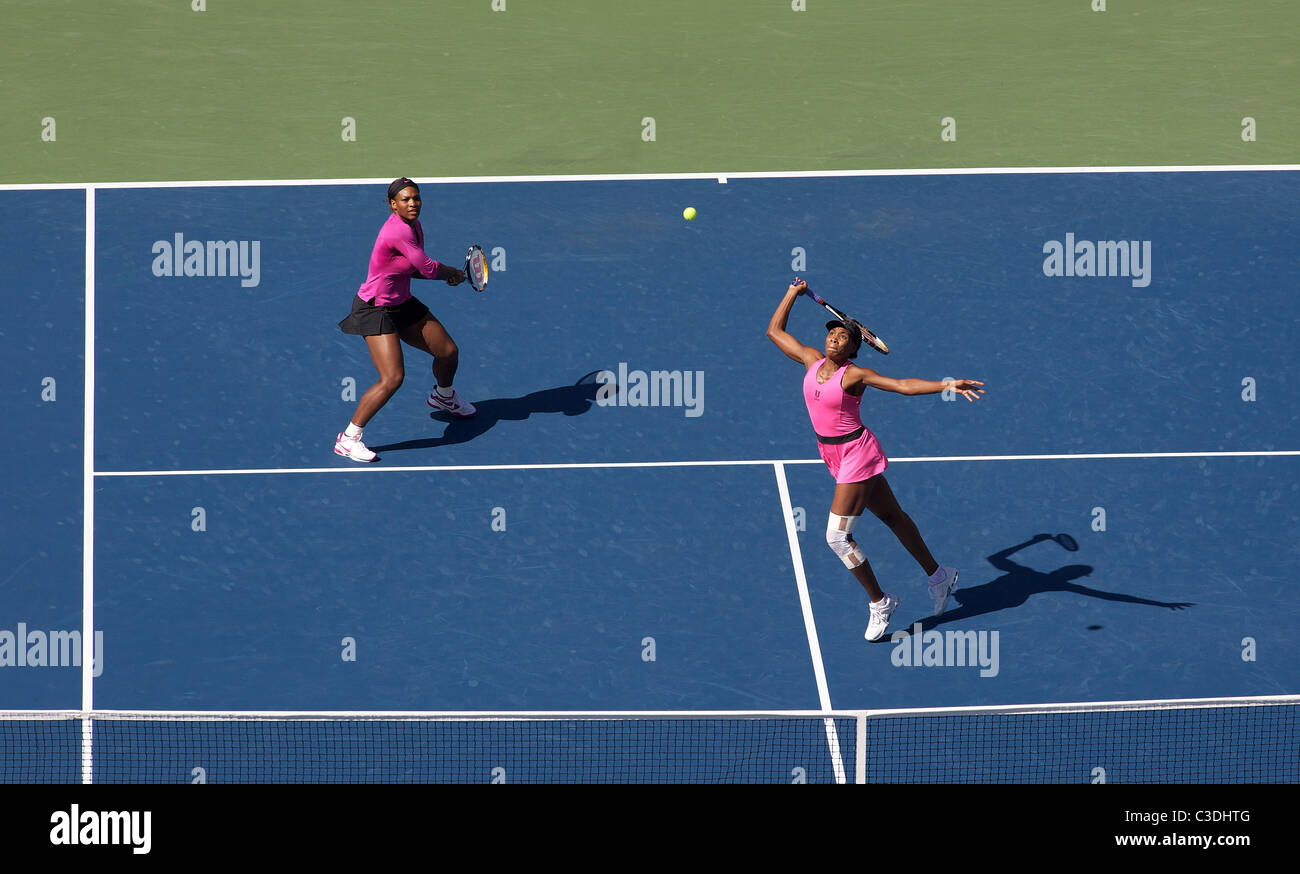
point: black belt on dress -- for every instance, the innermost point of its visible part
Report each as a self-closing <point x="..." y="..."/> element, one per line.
<point x="843" y="438"/>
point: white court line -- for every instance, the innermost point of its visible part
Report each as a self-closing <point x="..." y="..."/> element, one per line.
<point x="88" y="503"/>
<point x="644" y="177"/>
<point x="601" y="465"/>
<point x="809" y="623"/>
<point x="317" y="715"/>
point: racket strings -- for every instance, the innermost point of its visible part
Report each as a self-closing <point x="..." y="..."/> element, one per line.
<point x="476" y="267"/>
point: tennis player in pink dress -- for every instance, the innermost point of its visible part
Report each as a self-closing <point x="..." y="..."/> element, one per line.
<point x="832" y="389"/>
<point x="384" y="310"/>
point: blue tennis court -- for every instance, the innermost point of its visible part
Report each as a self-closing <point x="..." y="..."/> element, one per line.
<point x="564" y="553"/>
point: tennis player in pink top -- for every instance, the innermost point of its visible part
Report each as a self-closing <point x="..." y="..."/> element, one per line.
<point x="832" y="389"/>
<point x="384" y="310"/>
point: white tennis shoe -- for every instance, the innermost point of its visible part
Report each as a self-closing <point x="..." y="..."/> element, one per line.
<point x="942" y="585"/>
<point x="353" y="448"/>
<point x="456" y="405"/>
<point x="880" y="612"/>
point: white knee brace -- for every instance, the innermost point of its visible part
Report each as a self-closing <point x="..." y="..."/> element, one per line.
<point x="839" y="537"/>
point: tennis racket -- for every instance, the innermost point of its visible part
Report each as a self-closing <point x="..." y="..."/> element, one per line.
<point x="476" y="270"/>
<point x="871" y="339"/>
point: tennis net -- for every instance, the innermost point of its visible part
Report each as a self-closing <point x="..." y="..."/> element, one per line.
<point x="1229" y="740"/>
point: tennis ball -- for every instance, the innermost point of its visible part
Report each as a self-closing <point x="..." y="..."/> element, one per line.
<point x="688" y="213"/>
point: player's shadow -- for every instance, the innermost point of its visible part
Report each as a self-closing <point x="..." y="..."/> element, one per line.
<point x="571" y="400"/>
<point x="1019" y="583"/>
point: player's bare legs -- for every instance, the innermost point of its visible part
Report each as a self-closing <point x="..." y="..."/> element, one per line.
<point x="386" y="353"/>
<point x="879" y="498"/>
<point x="431" y="337"/>
<point x="849" y="500"/>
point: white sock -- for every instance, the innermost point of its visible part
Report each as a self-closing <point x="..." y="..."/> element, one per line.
<point x="446" y="391"/>
<point x="938" y="576"/>
<point x="352" y="431"/>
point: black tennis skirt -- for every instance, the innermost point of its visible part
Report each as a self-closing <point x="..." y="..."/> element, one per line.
<point x="367" y="319"/>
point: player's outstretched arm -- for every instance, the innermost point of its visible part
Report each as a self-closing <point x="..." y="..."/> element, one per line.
<point x="776" y="332"/>
<point x="970" y="389"/>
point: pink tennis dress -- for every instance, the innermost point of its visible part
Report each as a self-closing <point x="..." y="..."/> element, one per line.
<point x="835" y="415"/>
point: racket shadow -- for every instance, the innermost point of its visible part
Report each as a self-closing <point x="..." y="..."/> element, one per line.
<point x="1019" y="583"/>
<point x="569" y="400"/>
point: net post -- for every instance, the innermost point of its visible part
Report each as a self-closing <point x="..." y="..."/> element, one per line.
<point x="860" y="749"/>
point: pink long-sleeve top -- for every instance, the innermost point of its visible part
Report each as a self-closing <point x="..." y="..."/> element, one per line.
<point x="398" y="255"/>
